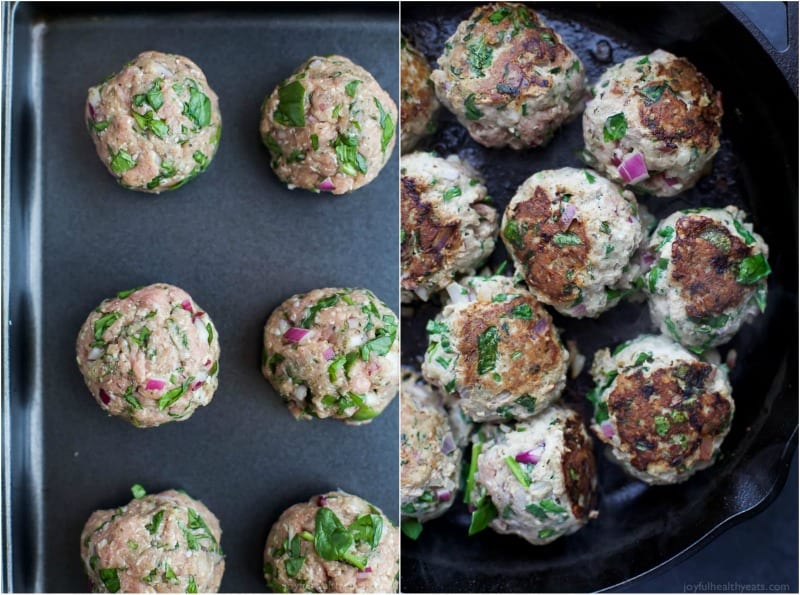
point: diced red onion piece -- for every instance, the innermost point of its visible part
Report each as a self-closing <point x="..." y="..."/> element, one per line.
<point x="326" y="185"/>
<point x="458" y="294"/>
<point x="155" y="384"/>
<point x="567" y="216"/>
<point x="540" y="327"/>
<point x="633" y="169"/>
<point x="615" y="160"/>
<point x="448" y="445"/>
<point x="529" y="456"/>
<point x="187" y="305"/>
<point x="197" y="384"/>
<point x="92" y="113"/>
<point x="363" y="575"/>
<point x="322" y="501"/>
<point x="104" y="397"/>
<point x="671" y="181"/>
<point x="648" y="258"/>
<point x="208" y="363"/>
<point x="373" y="367"/>
<point x="444" y="495"/>
<point x="579" y="310"/>
<point x="442" y="237"/>
<point x="197" y="314"/>
<point x="608" y="429"/>
<point x="328" y="354"/>
<point x="95" y="353"/>
<point x="295" y="335"/>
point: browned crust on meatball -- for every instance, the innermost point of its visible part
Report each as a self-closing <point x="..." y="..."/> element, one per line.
<point x="416" y="99"/>
<point x="540" y="350"/>
<point x="578" y="467"/>
<point x="546" y="264"/>
<point x="705" y="256"/>
<point x="533" y="45"/>
<point x="669" y="119"/>
<point x="428" y="240"/>
<point x="695" y="417"/>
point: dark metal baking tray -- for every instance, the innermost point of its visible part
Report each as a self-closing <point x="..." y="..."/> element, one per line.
<point x="641" y="529"/>
<point x="236" y="239"/>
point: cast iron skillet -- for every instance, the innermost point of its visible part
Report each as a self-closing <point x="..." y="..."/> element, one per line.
<point x="641" y="529"/>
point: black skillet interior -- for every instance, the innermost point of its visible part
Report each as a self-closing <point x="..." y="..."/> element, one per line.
<point x="236" y="239"/>
<point x="640" y="528"/>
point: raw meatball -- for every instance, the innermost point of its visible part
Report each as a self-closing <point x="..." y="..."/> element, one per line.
<point x="536" y="480"/>
<point x="654" y="122"/>
<point x="707" y="277"/>
<point x="328" y="127"/>
<point x="149" y="355"/>
<point x="662" y="412"/>
<point x="156" y="123"/>
<point x="509" y="78"/>
<point x="495" y="347"/>
<point x="447" y="226"/>
<point x="571" y="235"/>
<point x="333" y="353"/>
<point x="161" y="543"/>
<point x="334" y="543"/>
<point x="430" y="460"/>
<point x="418" y="103"/>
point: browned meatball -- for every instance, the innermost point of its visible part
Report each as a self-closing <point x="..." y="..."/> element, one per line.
<point x="508" y="77"/>
<point x="418" y="103"/>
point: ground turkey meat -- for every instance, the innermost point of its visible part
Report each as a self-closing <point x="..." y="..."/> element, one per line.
<point x="571" y="234"/>
<point x="707" y="276"/>
<point x="149" y="355"/>
<point x="536" y="480"/>
<point x="333" y="353"/>
<point x="654" y="123"/>
<point x="509" y="78"/>
<point x="430" y="460"/>
<point x="448" y="229"/>
<point x="158" y="543"/>
<point x="329" y="127"/>
<point x="495" y="347"/>
<point x="418" y="103"/>
<point x="334" y="543"/>
<point x="662" y="412"/>
<point x="156" y="123"/>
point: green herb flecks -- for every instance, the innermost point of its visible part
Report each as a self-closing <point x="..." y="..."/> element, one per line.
<point x="110" y="579"/>
<point x="171" y="396"/>
<point x="327" y="302"/>
<point x="748" y="237"/>
<point x="484" y="514"/>
<point x="148" y="122"/>
<point x="653" y="92"/>
<point x="518" y="471"/>
<point x="291" y="110"/>
<point x="512" y="233"/>
<point x="655" y="273"/>
<point x="523" y="312"/>
<point x="479" y="56"/>
<point x="367" y="528"/>
<point x="102" y="324"/>
<point x="473" y="113"/>
<point x="121" y="161"/>
<point x="666" y="234"/>
<point x="546" y="533"/>
<point x="350" y="160"/>
<point x="98" y="127"/>
<point x="294" y="563"/>
<point x="662" y="425"/>
<point x="387" y="127"/>
<point x="594" y="397"/>
<point x="192" y="586"/>
<point x="567" y="238"/>
<point x="615" y="128"/>
<point x="198" y="108"/>
<point x="752" y="269"/>
<point x="451" y="193"/>
<point x="411" y="528"/>
<point x="350" y="88"/>
<point x="138" y="491"/>
<point x="332" y="541"/>
<point x="589" y="177"/>
<point x="154" y="524"/>
<point x="130" y="399"/>
<point x="487" y="349"/>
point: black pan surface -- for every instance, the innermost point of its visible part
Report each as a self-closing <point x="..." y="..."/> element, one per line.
<point x="641" y="528"/>
<point x="236" y="239"/>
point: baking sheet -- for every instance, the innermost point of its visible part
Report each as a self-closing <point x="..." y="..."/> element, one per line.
<point x="235" y="238"/>
<point x="639" y="528"/>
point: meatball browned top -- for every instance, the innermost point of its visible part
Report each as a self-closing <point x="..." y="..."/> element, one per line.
<point x="508" y="77"/>
<point x="418" y="103"/>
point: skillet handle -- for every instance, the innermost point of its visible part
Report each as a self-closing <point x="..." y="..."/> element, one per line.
<point x="785" y="58"/>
